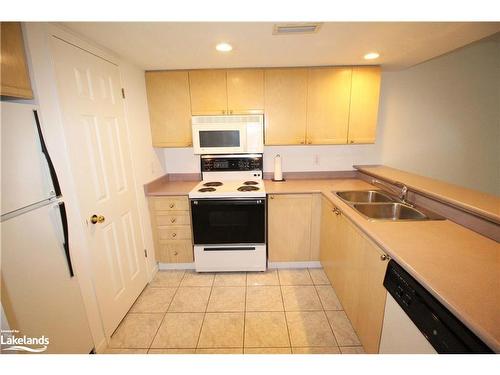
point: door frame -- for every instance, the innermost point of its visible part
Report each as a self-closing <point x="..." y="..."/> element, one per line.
<point x="42" y="72"/>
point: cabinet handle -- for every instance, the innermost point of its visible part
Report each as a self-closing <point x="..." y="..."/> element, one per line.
<point x="383" y="257"/>
<point x="174" y="234"/>
<point x="336" y="211"/>
<point x="173" y="220"/>
<point x="271" y="197"/>
<point x="231" y="112"/>
<point x="172" y="205"/>
<point x="176" y="253"/>
<point x="223" y="112"/>
<point x="351" y="141"/>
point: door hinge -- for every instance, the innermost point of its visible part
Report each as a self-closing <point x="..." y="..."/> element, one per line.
<point x="145" y="253"/>
<point x="123" y="93"/>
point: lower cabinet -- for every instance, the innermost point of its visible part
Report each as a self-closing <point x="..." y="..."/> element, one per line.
<point x="293" y="227"/>
<point x="355" y="267"/>
<point x="171" y="224"/>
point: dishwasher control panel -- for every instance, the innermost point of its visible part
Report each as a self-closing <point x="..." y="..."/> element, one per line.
<point x="439" y="326"/>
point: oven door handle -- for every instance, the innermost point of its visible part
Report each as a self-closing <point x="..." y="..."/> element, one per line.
<point x="231" y="202"/>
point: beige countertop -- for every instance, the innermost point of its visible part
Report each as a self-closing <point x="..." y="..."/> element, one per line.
<point x="458" y="266"/>
<point x="473" y="201"/>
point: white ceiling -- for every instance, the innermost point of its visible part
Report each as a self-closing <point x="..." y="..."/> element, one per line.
<point x="190" y="45"/>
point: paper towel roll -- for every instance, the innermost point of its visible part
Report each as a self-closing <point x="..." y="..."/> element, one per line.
<point x="278" y="174"/>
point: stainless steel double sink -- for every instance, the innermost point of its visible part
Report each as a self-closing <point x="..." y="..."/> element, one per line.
<point x="377" y="205"/>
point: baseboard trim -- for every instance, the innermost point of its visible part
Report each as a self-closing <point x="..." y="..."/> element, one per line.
<point x="311" y="264"/>
<point x="175" y="266"/>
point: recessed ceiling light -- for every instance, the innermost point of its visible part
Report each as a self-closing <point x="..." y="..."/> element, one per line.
<point x="371" y="56"/>
<point x="223" y="47"/>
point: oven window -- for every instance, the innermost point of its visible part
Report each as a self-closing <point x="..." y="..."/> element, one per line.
<point x="219" y="138"/>
<point x="228" y="221"/>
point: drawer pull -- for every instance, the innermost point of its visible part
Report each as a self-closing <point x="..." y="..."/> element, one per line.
<point x="173" y="220"/>
<point x="174" y="234"/>
<point x="383" y="257"/>
<point x="176" y="253"/>
<point x="172" y="205"/>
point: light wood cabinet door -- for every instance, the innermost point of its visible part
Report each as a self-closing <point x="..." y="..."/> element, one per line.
<point x="15" y="79"/>
<point x="289" y="227"/>
<point x="372" y="295"/>
<point x="169" y="108"/>
<point x="175" y="252"/>
<point x="328" y="239"/>
<point x="208" y="92"/>
<point x="328" y="97"/>
<point x="245" y="91"/>
<point x="365" y="91"/>
<point x="285" y="101"/>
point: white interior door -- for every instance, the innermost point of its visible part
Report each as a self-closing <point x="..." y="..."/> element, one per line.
<point x="97" y="139"/>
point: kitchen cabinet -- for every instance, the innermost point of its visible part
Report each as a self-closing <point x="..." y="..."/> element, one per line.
<point x="355" y="267"/>
<point x="245" y="91"/>
<point x="328" y="99"/>
<point x="293" y="229"/>
<point x="285" y="99"/>
<point x="171" y="224"/>
<point x="15" y="79"/>
<point x="169" y="108"/>
<point x="365" y="91"/>
<point x="208" y="92"/>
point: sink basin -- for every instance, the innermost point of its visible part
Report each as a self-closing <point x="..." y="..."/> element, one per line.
<point x="366" y="196"/>
<point x="390" y="211"/>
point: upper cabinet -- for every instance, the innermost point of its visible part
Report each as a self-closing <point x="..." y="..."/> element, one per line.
<point x="317" y="106"/>
<point x="208" y="92"/>
<point x="15" y="80"/>
<point x="169" y="108"/>
<point x="285" y="106"/>
<point x="227" y="92"/>
<point x="245" y="91"/>
<point x="365" y="90"/>
<point x="328" y="97"/>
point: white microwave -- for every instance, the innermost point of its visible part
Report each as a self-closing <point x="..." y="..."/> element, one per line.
<point x="228" y="134"/>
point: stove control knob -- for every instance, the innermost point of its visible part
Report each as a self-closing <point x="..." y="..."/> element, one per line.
<point x="195" y="202"/>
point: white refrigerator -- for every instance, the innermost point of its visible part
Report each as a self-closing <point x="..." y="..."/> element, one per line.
<point x="43" y="310"/>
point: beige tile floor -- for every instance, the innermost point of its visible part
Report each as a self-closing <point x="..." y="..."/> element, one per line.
<point x="286" y="311"/>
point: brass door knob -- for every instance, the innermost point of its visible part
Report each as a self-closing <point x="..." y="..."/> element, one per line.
<point x="94" y="219"/>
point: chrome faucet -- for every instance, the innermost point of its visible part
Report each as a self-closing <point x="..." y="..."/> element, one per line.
<point x="401" y="192"/>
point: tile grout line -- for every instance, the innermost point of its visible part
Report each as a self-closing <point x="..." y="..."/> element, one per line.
<point x="245" y="312"/>
<point x="284" y="312"/>
<point x="166" y="311"/>
<point x="205" y="314"/>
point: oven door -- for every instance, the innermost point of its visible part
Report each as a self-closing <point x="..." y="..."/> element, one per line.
<point x="219" y="138"/>
<point x="229" y="221"/>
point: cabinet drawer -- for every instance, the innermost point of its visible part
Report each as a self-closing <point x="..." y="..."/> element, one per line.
<point x="175" y="252"/>
<point x="170" y="203"/>
<point x="174" y="233"/>
<point x="173" y="218"/>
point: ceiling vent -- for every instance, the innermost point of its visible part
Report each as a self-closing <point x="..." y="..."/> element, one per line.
<point x="296" y="28"/>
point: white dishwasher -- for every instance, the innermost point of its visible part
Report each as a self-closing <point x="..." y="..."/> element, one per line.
<point x="416" y="323"/>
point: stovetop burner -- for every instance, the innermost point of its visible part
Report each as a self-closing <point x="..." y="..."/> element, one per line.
<point x="206" y="189"/>
<point x="213" y="183"/>
<point x="248" y="188"/>
<point x="250" y="183"/>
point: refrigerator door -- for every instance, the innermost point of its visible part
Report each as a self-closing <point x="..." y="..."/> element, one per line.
<point x="26" y="178"/>
<point x="39" y="296"/>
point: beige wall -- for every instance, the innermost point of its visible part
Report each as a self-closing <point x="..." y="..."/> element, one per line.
<point x="442" y="118"/>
